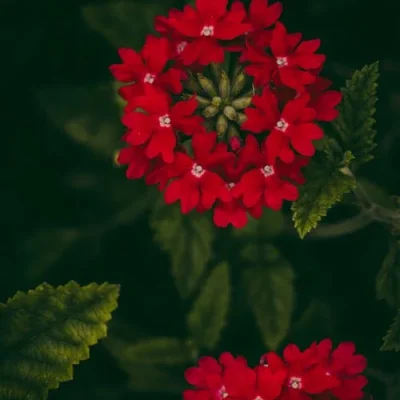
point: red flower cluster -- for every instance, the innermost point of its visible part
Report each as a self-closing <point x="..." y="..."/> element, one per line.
<point x="168" y="143"/>
<point x="318" y="373"/>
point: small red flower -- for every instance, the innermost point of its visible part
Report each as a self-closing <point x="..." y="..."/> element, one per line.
<point x="204" y="27"/>
<point x="346" y="366"/>
<point x="290" y="60"/>
<point x="135" y="158"/>
<point x="194" y="183"/>
<point x="156" y="127"/>
<point x="147" y="68"/>
<point x="291" y="128"/>
<point x="265" y="184"/>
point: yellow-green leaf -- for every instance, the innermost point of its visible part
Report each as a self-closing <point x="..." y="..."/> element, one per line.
<point x="270" y="293"/>
<point x="210" y="310"/>
<point x="46" y="331"/>
<point x="188" y="239"/>
<point x="326" y="185"/>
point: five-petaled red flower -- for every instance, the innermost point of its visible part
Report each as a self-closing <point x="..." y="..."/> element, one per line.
<point x="157" y="126"/>
<point x="290" y="129"/>
<point x="205" y="27"/>
<point x="291" y="59"/>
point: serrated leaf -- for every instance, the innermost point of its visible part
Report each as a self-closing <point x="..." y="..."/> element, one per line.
<point x="124" y="23"/>
<point x="88" y="114"/>
<point x="388" y="278"/>
<point x="326" y="185"/>
<point x="188" y="239"/>
<point x="269" y="225"/>
<point x="356" y="123"/>
<point x="46" y="331"/>
<point x="270" y="293"/>
<point x="209" y="313"/>
<point x="154" y="351"/>
<point x="391" y="342"/>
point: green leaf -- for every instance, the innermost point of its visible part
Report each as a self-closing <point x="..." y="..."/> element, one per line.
<point x="155" y="351"/>
<point x="269" y="225"/>
<point x="326" y="185"/>
<point x="88" y="114"/>
<point x="188" y="239"/>
<point x="125" y="23"/>
<point x="48" y="330"/>
<point x="391" y="342"/>
<point x="210" y="310"/>
<point x="388" y="278"/>
<point x="270" y="292"/>
<point x="356" y="123"/>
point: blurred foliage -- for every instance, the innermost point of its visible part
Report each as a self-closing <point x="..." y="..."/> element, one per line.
<point x="69" y="213"/>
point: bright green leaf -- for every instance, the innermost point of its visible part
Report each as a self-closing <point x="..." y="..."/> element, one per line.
<point x="48" y="330"/>
<point x="269" y="225"/>
<point x="356" y="123"/>
<point x="391" y="342"/>
<point x="388" y="278"/>
<point x="124" y="23"/>
<point x="209" y="313"/>
<point x="270" y="292"/>
<point x="188" y="239"/>
<point x="326" y="185"/>
<point x="154" y="351"/>
<point x="88" y="114"/>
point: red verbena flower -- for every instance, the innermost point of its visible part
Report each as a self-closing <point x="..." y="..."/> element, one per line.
<point x="290" y="129"/>
<point x="290" y="59"/>
<point x="147" y="68"/>
<point x="204" y="27"/>
<point x="298" y="375"/>
<point x="231" y="140"/>
<point x="157" y="126"/>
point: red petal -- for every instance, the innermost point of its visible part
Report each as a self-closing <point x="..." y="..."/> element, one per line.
<point x="163" y="142"/>
<point x="252" y="186"/>
<point x="279" y="45"/>
<point x="188" y="27"/>
<point x="295" y="79"/>
<point x="308" y="46"/>
<point x="210" y="51"/>
<point x="210" y="365"/>
<point x="303" y="145"/>
<point x="270" y="385"/>
<point x="184" y="108"/>
<point x="210" y="185"/>
<point x="211" y="8"/>
<point x="289" y="192"/>
<point x="291" y="353"/>
<point x="256" y="121"/>
<point x="309" y="61"/>
<point x="229" y="30"/>
<point x="310" y="131"/>
<point x="194" y="376"/>
<point x="263" y="16"/>
<point x="171" y="80"/>
<point x="155" y="53"/>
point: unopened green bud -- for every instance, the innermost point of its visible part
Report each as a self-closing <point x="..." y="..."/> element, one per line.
<point x="216" y="71"/>
<point x="192" y="85"/>
<point x="203" y="101"/>
<point x="207" y="85"/>
<point x="241" y="103"/>
<point x="216" y="101"/>
<point x="238" y="83"/>
<point x="210" y="111"/>
<point x="209" y="125"/>
<point x="224" y="86"/>
<point x="241" y="118"/>
<point x="233" y="131"/>
<point x="222" y="124"/>
<point x="230" y="113"/>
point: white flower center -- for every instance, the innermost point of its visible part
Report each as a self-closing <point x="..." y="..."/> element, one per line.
<point x="149" y="78"/>
<point x="181" y="46"/>
<point x="295" y="382"/>
<point x="282" y="62"/>
<point x="281" y="125"/>
<point x="258" y="398"/>
<point x="230" y="185"/>
<point x="165" y="121"/>
<point x="207" y="30"/>
<point x="222" y="392"/>
<point x="198" y="171"/>
<point x="267" y="171"/>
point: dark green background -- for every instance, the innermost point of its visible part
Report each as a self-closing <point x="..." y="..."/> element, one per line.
<point x="55" y="58"/>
